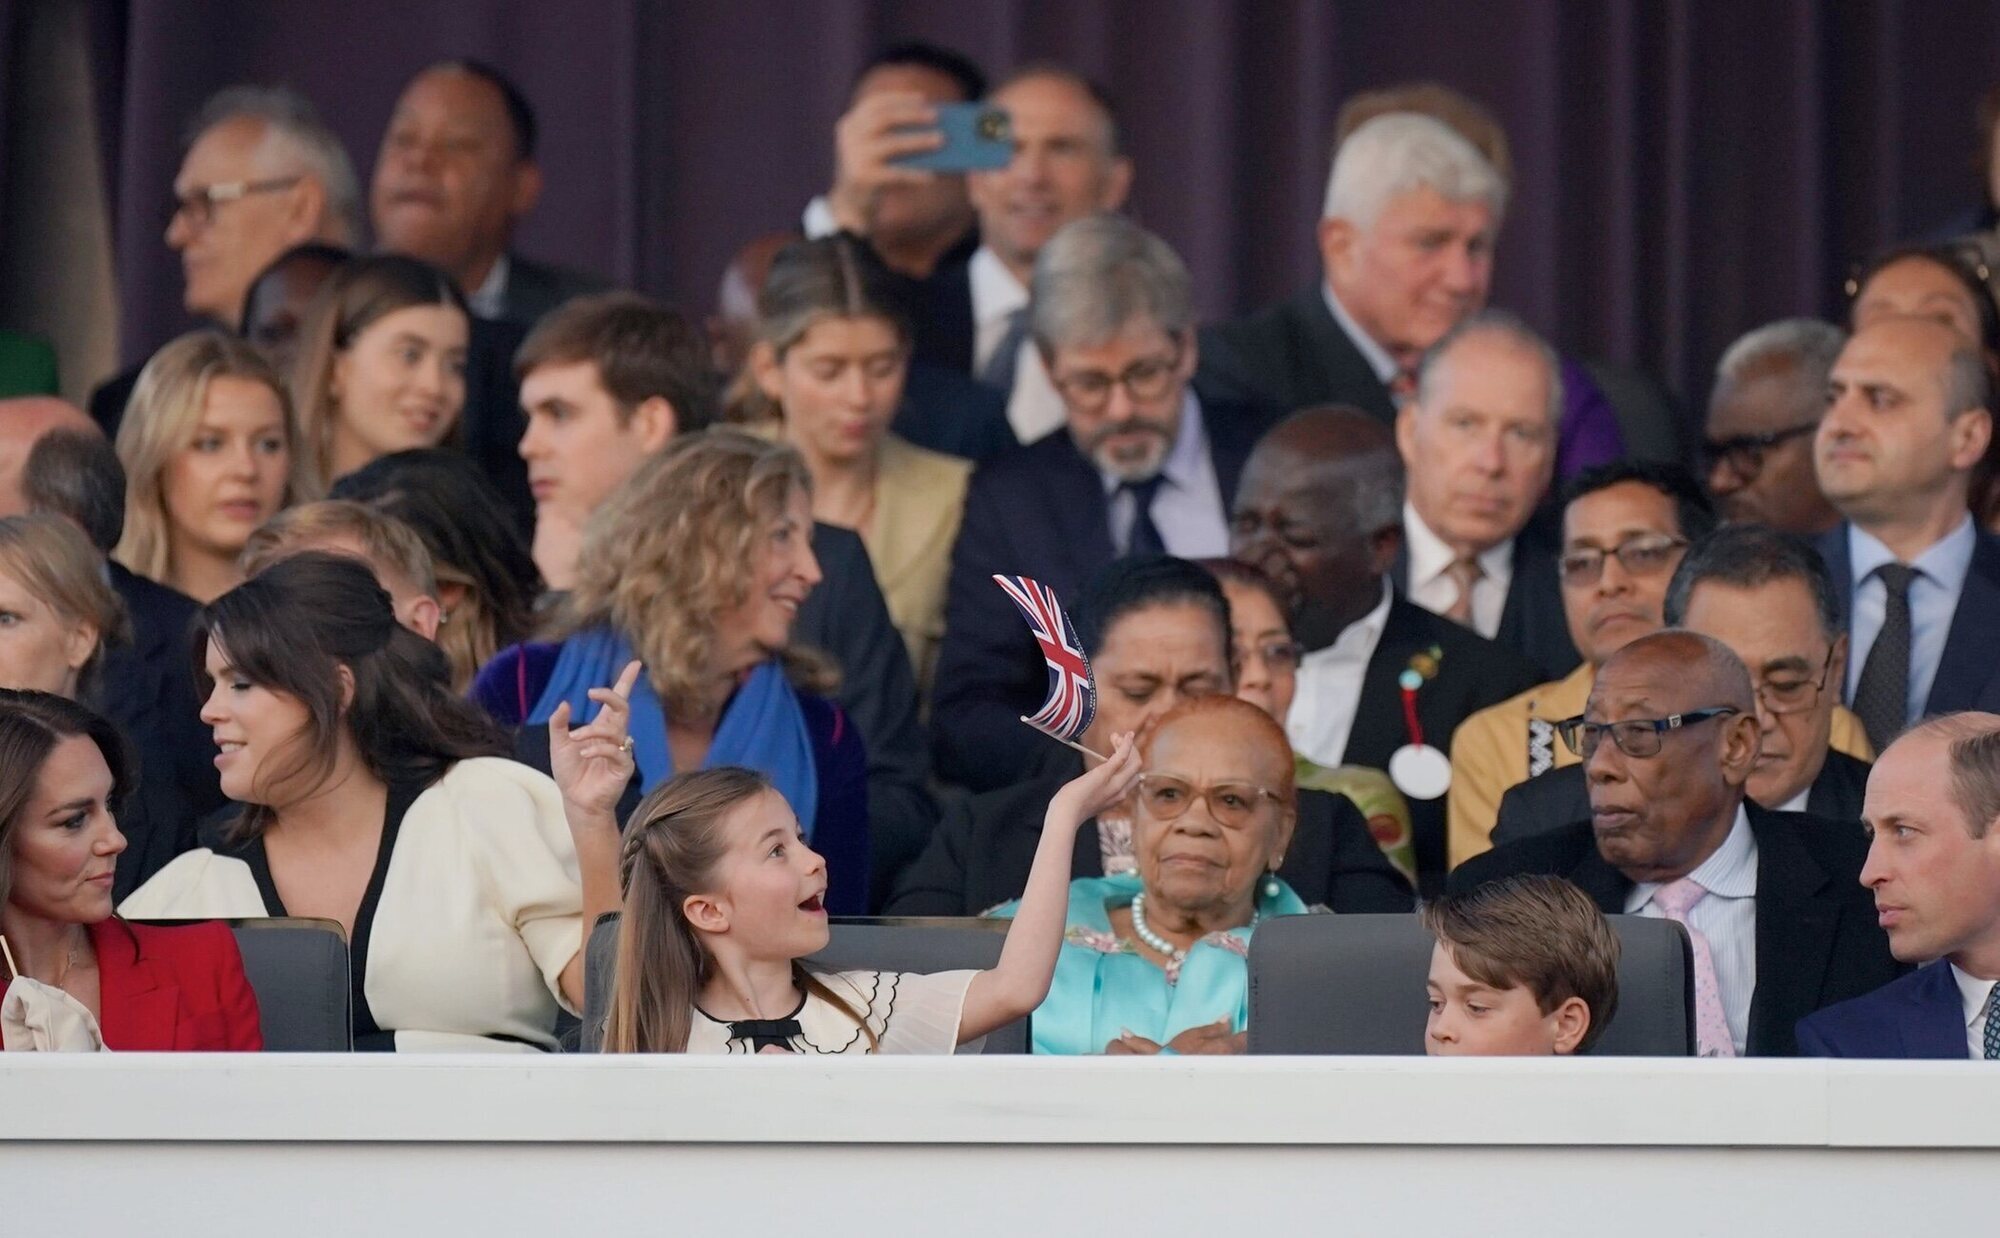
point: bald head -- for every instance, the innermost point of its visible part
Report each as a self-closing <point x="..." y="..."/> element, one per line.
<point x="22" y="422"/>
<point x="1686" y="665"/>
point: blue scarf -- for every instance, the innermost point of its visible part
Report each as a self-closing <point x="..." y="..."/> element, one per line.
<point x="762" y="728"/>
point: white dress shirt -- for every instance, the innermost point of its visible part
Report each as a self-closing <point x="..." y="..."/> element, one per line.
<point x="1977" y="995"/>
<point x="1035" y="407"/>
<point x="1374" y="354"/>
<point x="1727" y="918"/>
<point x="1798" y="802"/>
<point x="1187" y="508"/>
<point x="1432" y="586"/>
<point x="489" y="300"/>
<point x="1329" y="688"/>
<point x="1934" y="591"/>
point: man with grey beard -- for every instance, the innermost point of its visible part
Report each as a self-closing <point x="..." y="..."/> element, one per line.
<point x="1141" y="466"/>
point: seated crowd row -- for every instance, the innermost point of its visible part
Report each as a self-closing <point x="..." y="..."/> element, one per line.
<point x="1362" y="649"/>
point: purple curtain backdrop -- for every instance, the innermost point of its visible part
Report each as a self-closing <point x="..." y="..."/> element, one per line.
<point x="1686" y="168"/>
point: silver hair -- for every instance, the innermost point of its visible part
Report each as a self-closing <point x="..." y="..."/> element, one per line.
<point x="1401" y="151"/>
<point x="1508" y="326"/>
<point x="1809" y="344"/>
<point x="1100" y="274"/>
<point x="293" y="128"/>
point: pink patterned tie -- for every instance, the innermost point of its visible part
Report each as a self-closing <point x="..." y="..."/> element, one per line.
<point x="1711" y="1026"/>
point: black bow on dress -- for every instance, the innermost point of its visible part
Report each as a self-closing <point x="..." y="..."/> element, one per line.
<point x="767" y="1033"/>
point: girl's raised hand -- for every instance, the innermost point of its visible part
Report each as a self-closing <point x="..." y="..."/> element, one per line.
<point x="1095" y="790"/>
<point x="592" y="764"/>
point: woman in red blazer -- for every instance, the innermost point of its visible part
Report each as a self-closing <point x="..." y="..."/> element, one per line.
<point x="62" y="772"/>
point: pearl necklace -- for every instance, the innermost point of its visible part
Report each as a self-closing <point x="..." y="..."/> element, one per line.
<point x="1159" y="943"/>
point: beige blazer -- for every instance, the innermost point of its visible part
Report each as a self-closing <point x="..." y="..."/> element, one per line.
<point x="919" y="497"/>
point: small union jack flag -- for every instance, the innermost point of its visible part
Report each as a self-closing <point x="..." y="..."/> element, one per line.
<point x="1072" y="699"/>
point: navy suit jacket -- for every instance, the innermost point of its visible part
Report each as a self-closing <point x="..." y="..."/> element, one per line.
<point x="1817" y="939"/>
<point x="1532" y="621"/>
<point x="1918" y="1016"/>
<point x="1290" y="356"/>
<point x="1968" y="673"/>
<point x="535" y="288"/>
<point x="1039" y="512"/>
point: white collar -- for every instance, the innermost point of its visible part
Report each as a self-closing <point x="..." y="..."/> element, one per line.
<point x="1730" y="871"/>
<point x="1430" y="557"/>
<point x="489" y="300"/>
<point x="1374" y="354"/>
<point x="1945" y="561"/>
<point x="995" y="291"/>
<point x="1361" y="634"/>
<point x="1972" y="991"/>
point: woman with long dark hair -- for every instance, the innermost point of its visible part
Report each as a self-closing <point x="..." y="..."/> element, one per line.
<point x="374" y="796"/>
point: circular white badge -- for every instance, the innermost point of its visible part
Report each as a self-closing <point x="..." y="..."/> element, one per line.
<point x="1420" y="771"/>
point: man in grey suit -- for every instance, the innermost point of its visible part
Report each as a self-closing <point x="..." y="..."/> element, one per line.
<point x="455" y="175"/>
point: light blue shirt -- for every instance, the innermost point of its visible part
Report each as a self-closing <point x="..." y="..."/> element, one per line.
<point x="1374" y="354"/>
<point x="1934" y="591"/>
<point x="1727" y="918"/>
<point x="1187" y="508"/>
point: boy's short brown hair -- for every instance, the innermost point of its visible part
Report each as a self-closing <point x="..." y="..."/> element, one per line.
<point x="1541" y="933"/>
<point x="641" y="349"/>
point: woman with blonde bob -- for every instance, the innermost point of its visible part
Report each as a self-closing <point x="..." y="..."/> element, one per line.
<point x="206" y="442"/>
<point x="697" y="566"/>
<point x="381" y="366"/>
<point x="723" y="897"/>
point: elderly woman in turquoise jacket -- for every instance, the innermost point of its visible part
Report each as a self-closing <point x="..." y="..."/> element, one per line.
<point x="1155" y="959"/>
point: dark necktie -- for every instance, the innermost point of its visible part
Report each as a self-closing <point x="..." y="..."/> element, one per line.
<point x="1882" y="695"/>
<point x="766" y="1033"/>
<point x="998" y="372"/>
<point x="1992" y="1025"/>
<point x="1145" y="537"/>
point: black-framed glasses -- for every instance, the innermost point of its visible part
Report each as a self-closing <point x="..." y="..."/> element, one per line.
<point x="1648" y="554"/>
<point x="1145" y="380"/>
<point x="1167" y="797"/>
<point x="1635" y="737"/>
<point x="1794" y="696"/>
<point x="199" y="205"/>
<point x="1743" y="454"/>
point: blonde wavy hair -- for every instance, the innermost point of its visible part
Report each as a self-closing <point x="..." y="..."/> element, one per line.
<point x="159" y="423"/>
<point x="673" y="550"/>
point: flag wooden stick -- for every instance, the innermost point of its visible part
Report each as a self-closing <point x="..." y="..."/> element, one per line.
<point x="1089" y="752"/>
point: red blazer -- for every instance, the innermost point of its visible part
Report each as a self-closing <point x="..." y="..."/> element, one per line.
<point x="173" y="987"/>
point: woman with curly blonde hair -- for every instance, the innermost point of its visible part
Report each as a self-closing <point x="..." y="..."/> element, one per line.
<point x="697" y="567"/>
<point x="206" y="442"/>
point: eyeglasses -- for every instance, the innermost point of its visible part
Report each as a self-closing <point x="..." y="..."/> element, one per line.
<point x="1645" y="555"/>
<point x="1145" y="380"/>
<point x="199" y="206"/>
<point x="1233" y="804"/>
<point x="1635" y="737"/>
<point x="1792" y="696"/>
<point x="1743" y="454"/>
<point x="1277" y="655"/>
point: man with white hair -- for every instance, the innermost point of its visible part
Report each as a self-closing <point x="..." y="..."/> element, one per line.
<point x="1139" y="466"/>
<point x="262" y="173"/>
<point x="1406" y="241"/>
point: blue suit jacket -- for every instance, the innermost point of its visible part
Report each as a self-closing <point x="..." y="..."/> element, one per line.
<point x="1968" y="675"/>
<point x="1917" y="1016"/>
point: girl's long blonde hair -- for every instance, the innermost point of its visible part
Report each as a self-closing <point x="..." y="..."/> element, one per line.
<point x="672" y="848"/>
<point x="159" y="423"/>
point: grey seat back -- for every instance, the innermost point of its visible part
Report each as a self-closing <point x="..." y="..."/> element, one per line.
<point x="1332" y="984"/>
<point x="298" y="968"/>
<point x="854" y="947"/>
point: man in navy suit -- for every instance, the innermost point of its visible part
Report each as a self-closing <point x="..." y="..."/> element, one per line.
<point x="1934" y="866"/>
<point x="1140" y="467"/>
<point x="1479" y="447"/>
<point x="1920" y="583"/>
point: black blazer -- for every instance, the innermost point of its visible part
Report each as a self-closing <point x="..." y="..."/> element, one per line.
<point x="1968" y="675"/>
<point x="982" y="851"/>
<point x="148" y="689"/>
<point x="535" y="288"/>
<point x="1532" y="621"/>
<point x="1473" y="674"/>
<point x="846" y="618"/>
<point x="1817" y="939"/>
<point x="1039" y="512"/>
<point x="1561" y="796"/>
<point x="949" y="411"/>
<point x="1290" y="356"/>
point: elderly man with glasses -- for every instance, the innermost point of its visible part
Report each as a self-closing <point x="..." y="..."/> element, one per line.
<point x="1757" y="448"/>
<point x="1778" y="924"/>
<point x="1139" y="467"/>
<point x="1769" y="598"/>
<point x="1625" y="527"/>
